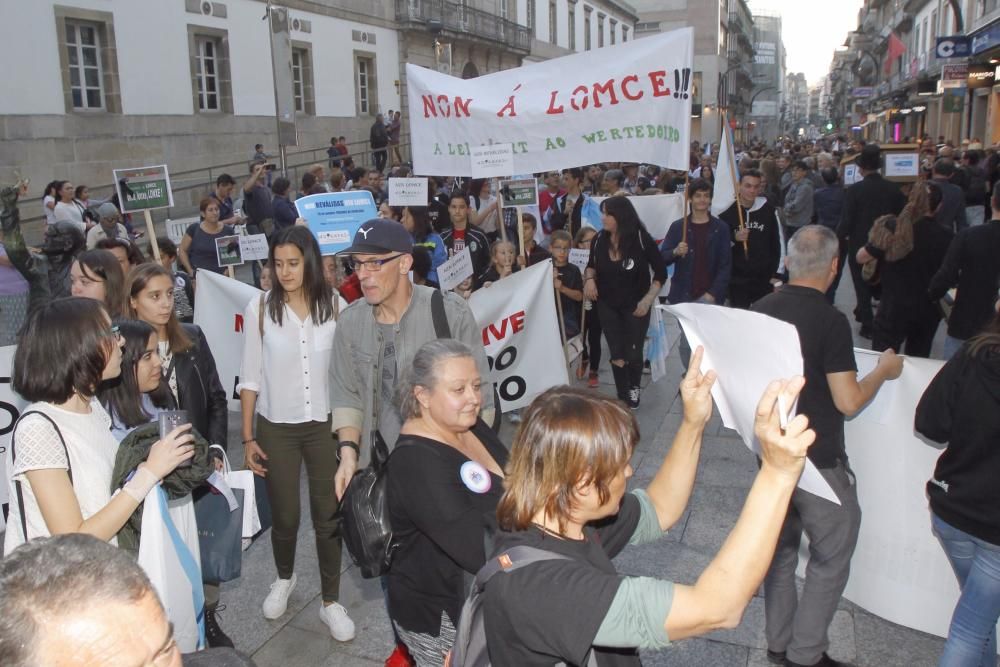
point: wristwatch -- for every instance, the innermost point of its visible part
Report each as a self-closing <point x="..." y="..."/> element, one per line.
<point x="352" y="445"/>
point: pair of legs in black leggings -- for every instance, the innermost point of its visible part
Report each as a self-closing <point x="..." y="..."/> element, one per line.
<point x="592" y="338"/>
<point x="625" y="334"/>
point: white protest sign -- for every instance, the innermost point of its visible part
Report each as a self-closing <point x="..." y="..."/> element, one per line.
<point x="407" y="191"/>
<point x="218" y="310"/>
<point x="228" y="251"/>
<point x="727" y="334"/>
<point x="629" y="102"/>
<point x="492" y="161"/>
<point x="452" y="272"/>
<point x="899" y="570"/>
<point x="851" y="174"/>
<point x="11" y="406"/>
<point x="143" y="188"/>
<point x="656" y="212"/>
<point x="902" y="164"/>
<point x="521" y="335"/>
<point x="579" y="257"/>
<point x="253" y="246"/>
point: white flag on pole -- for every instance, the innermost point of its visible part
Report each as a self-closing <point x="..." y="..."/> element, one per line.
<point x="725" y="189"/>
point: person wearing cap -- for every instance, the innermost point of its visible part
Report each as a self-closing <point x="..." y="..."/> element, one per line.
<point x="109" y="225"/>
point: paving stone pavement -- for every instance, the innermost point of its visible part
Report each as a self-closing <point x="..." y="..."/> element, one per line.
<point x="725" y="473"/>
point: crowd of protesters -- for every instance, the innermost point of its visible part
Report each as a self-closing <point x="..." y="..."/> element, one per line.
<point x="344" y="356"/>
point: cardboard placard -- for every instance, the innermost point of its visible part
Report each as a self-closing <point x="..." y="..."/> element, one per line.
<point x="520" y="192"/>
<point x="334" y="217"/>
<point x="407" y="192"/>
<point x="228" y="250"/>
<point x="253" y="247"/>
<point x="579" y="257"/>
<point x="452" y="272"/>
<point x="144" y="188"/>
<point x="902" y="165"/>
<point x="492" y="161"/>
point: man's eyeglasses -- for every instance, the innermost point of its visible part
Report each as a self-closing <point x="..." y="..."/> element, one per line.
<point x="372" y="265"/>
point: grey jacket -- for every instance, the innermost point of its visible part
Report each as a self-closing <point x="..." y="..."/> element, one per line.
<point x="356" y="362"/>
<point x="799" y="203"/>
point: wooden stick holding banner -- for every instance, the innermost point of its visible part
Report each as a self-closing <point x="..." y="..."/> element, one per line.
<point x="503" y="224"/>
<point x="684" y="228"/>
<point x="144" y="189"/>
<point x="152" y="235"/>
<point x="520" y="233"/>
<point x="562" y="323"/>
<point x="736" y="188"/>
<point x="583" y="342"/>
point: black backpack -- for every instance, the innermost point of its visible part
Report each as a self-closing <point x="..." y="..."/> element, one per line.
<point x="470" y="648"/>
<point x="364" y="509"/>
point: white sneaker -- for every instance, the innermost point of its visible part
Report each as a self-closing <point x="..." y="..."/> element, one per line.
<point x="276" y="601"/>
<point x="336" y="618"/>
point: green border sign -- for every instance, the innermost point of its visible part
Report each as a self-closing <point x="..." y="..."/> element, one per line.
<point x="143" y="188"/>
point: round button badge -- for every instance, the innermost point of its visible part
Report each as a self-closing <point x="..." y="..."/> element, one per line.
<point x="475" y="477"/>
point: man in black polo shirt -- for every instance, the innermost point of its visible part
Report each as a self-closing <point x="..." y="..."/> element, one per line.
<point x="796" y="629"/>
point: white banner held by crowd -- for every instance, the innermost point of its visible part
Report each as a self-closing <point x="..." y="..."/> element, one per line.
<point x="657" y="212"/>
<point x="11" y="406"/>
<point x="521" y="335"/>
<point x="628" y="102"/>
<point x="218" y="310"/>
<point x="747" y="350"/>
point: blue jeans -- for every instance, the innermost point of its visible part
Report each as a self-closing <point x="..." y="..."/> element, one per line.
<point x="972" y="636"/>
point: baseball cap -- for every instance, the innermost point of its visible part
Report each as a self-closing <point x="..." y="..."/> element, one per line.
<point x="378" y="236"/>
<point x="107" y="210"/>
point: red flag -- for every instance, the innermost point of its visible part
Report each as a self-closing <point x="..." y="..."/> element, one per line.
<point x="896" y="49"/>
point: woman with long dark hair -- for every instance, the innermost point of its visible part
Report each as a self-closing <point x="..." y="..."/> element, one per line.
<point x="961" y="407"/>
<point x="189" y="373"/>
<point x="417" y="221"/>
<point x="622" y="256"/>
<point x="283" y="382"/>
<point x="62" y="452"/>
<point x="96" y="274"/>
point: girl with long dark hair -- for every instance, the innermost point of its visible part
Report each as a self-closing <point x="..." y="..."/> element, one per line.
<point x="622" y="256"/>
<point x="189" y="373"/>
<point x="96" y="274"/>
<point x="283" y="382"/>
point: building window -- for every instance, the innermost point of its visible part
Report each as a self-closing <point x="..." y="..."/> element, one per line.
<point x="553" y="33"/>
<point x="934" y="26"/>
<point x="366" y="84"/>
<point x="572" y="28"/>
<point x="302" y="80"/>
<point x="207" y="73"/>
<point x="503" y="8"/>
<point x="531" y="17"/>
<point x="83" y="53"/>
<point x="463" y="11"/>
<point x="624" y="33"/>
<point x="614" y="27"/>
<point x="600" y="30"/>
<point x="586" y="30"/>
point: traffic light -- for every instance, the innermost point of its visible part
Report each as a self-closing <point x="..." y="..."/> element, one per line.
<point x="829" y="126"/>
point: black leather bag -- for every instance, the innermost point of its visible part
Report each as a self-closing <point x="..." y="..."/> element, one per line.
<point x="364" y="525"/>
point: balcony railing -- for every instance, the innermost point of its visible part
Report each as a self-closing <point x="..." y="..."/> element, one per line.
<point x="459" y="19"/>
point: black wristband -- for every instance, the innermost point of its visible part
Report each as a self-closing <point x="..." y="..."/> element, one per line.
<point x="348" y="443"/>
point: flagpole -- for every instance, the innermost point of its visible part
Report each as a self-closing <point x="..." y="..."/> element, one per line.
<point x="732" y="170"/>
<point x="684" y="228"/>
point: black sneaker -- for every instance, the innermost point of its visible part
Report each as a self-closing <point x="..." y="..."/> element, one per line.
<point x="776" y="657"/>
<point x="213" y="633"/>
<point x="824" y="661"/>
<point x="633" y="398"/>
<point x="865" y="332"/>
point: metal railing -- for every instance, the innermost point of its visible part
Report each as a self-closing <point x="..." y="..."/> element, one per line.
<point x="460" y="19"/>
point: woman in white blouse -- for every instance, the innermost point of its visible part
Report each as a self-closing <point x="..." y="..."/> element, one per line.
<point x="286" y="358"/>
<point x="66" y="208"/>
<point x="62" y="452"/>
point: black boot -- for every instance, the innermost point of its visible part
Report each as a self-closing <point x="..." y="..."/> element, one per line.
<point x="214" y="635"/>
<point x="621" y="382"/>
<point x="634" y="382"/>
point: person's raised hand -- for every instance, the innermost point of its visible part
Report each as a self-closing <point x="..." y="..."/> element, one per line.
<point x="892" y="363"/>
<point x="783" y="450"/>
<point x="168" y="453"/>
<point x="254" y="457"/>
<point x="696" y="391"/>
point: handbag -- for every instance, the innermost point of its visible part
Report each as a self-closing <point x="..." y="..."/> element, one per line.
<point x="17" y="485"/>
<point x="364" y="509"/>
<point x="220" y="533"/>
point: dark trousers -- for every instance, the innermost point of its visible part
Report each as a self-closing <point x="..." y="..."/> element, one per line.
<point x="743" y="294"/>
<point x="863" y="293"/>
<point x="592" y="339"/>
<point x="832" y="292"/>
<point x="380" y="155"/>
<point x="799" y="625"/>
<point x="625" y="334"/>
<point x="909" y="324"/>
<point x="286" y="447"/>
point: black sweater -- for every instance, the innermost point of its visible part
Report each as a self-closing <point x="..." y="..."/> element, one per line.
<point x="973" y="264"/>
<point x="622" y="283"/>
<point x="440" y="525"/>
<point x="961" y="407"/>
<point x="760" y="261"/>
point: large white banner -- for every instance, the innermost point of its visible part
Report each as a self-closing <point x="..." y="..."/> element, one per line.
<point x="521" y="335"/>
<point x="11" y="406"/>
<point x="899" y="571"/>
<point x="625" y="103"/>
<point x="657" y="212"/>
<point x="218" y="310"/>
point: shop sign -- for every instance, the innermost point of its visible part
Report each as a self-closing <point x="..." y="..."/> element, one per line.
<point x="862" y="91"/>
<point x="986" y="38"/>
<point x="957" y="72"/>
<point x="953" y="46"/>
<point x="981" y="76"/>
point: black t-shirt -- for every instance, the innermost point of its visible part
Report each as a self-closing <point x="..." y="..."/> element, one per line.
<point x="202" y="253"/>
<point x="440" y="523"/>
<point x="571" y="279"/>
<point x="827" y="347"/>
<point x="623" y="282"/>
<point x="549" y="612"/>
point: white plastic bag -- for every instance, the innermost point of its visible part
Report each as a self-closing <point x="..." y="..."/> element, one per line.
<point x="170" y="556"/>
<point x="243" y="479"/>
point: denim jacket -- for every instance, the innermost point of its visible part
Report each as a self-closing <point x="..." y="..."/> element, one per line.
<point x="720" y="259"/>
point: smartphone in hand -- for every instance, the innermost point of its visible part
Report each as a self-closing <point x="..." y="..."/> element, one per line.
<point x="169" y="420"/>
